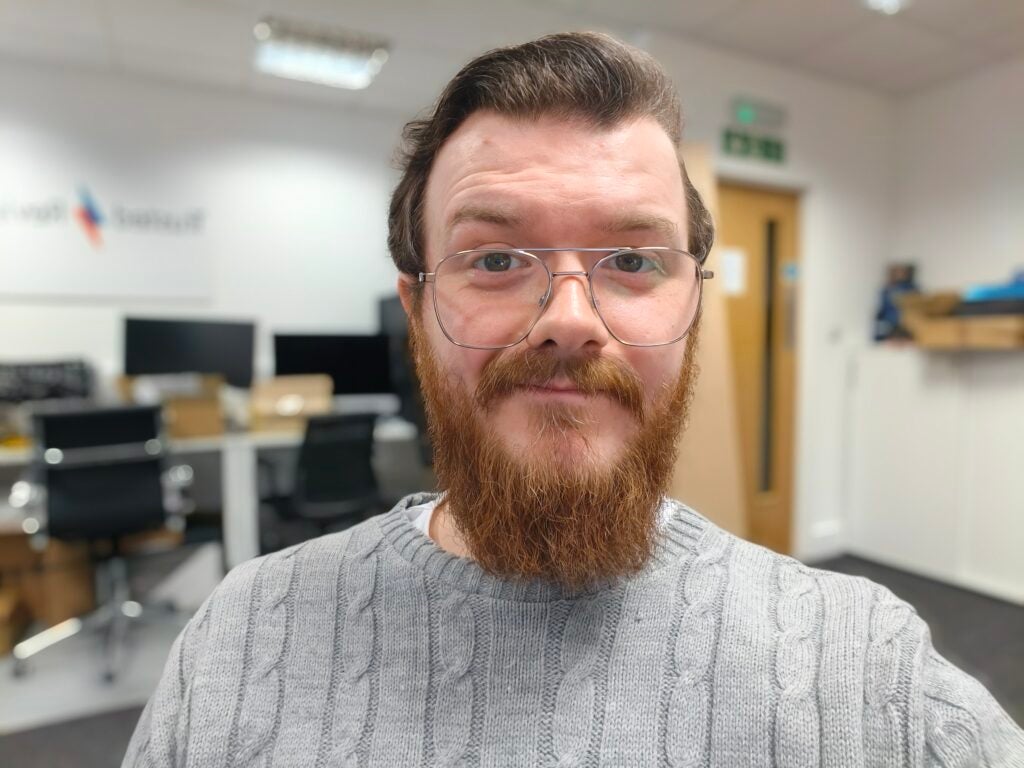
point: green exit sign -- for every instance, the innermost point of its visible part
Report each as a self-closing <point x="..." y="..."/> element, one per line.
<point x="741" y="143"/>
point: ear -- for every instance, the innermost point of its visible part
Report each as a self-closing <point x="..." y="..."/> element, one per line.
<point x="406" y="285"/>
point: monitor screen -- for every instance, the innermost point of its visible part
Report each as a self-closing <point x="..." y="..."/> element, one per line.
<point x="359" y="365"/>
<point x="189" y="346"/>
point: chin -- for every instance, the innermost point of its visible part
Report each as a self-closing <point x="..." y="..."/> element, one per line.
<point x="565" y="436"/>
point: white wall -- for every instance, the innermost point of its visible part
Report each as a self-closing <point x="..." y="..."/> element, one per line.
<point x="298" y="195"/>
<point x="936" y="480"/>
<point x="839" y="145"/>
<point x="295" y="196"/>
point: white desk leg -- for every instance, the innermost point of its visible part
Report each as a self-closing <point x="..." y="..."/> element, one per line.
<point x="239" y="497"/>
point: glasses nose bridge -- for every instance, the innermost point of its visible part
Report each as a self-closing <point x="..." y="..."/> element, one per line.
<point x="584" y="280"/>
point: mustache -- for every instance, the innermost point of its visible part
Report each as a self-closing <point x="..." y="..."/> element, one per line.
<point x="591" y="375"/>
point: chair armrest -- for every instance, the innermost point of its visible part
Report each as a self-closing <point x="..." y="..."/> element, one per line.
<point x="267" y="480"/>
<point x="178" y="502"/>
<point x="30" y="499"/>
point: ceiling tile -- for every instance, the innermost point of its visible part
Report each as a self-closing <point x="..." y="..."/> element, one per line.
<point x="661" y="15"/>
<point x="308" y="92"/>
<point x="71" y="18"/>
<point x="53" y="48"/>
<point x="171" y="65"/>
<point x="1006" y="41"/>
<point x="931" y="70"/>
<point x="966" y="19"/>
<point x="455" y="25"/>
<point x="783" y="29"/>
<point x="213" y="30"/>
<point x="412" y="78"/>
<point x="873" y="53"/>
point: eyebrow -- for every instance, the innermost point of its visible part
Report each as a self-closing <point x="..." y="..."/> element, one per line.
<point x="502" y="217"/>
<point x="619" y="224"/>
<point x="643" y="222"/>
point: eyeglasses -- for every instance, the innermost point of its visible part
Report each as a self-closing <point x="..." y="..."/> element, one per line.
<point x="492" y="299"/>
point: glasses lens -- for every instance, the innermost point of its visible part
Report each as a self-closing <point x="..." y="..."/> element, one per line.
<point x="647" y="297"/>
<point x="489" y="298"/>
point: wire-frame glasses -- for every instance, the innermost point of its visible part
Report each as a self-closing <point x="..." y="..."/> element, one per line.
<point x="492" y="298"/>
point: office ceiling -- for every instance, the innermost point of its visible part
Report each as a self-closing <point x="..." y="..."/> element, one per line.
<point x="210" y="41"/>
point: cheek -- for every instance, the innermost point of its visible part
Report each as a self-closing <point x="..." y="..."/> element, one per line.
<point x="465" y="365"/>
<point x="659" y="368"/>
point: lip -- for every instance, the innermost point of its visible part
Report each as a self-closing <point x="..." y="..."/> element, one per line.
<point x="557" y="392"/>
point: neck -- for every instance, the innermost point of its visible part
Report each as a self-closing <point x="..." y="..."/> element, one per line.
<point x="443" y="532"/>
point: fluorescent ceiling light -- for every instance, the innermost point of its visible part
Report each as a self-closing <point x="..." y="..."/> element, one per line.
<point x="328" y="57"/>
<point x="888" y="7"/>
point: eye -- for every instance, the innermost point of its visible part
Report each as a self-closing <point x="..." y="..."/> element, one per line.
<point x="635" y="261"/>
<point x="498" y="261"/>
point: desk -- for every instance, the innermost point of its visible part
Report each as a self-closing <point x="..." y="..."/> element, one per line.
<point x="239" y="493"/>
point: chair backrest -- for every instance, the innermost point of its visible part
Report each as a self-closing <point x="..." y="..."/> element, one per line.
<point x="96" y="427"/>
<point x="336" y="460"/>
<point x="102" y="469"/>
<point x="394" y="323"/>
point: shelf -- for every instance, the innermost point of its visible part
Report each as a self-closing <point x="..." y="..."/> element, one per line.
<point x="928" y="320"/>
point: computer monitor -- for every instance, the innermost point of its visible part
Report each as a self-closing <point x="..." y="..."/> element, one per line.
<point x="189" y="346"/>
<point x="358" y="365"/>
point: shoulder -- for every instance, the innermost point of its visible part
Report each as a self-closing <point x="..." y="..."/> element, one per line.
<point x="963" y="726"/>
<point x="751" y="571"/>
<point x="866" y="653"/>
<point x="306" y="564"/>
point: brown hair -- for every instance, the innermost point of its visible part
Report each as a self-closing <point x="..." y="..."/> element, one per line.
<point x="579" y="75"/>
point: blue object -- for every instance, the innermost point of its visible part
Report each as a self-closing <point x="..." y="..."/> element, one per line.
<point x="1010" y="291"/>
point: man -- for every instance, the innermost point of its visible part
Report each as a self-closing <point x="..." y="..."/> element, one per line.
<point x="551" y="607"/>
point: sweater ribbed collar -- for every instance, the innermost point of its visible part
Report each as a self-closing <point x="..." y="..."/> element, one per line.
<point x="678" y="537"/>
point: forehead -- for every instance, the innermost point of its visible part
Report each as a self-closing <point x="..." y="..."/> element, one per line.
<point x="552" y="181"/>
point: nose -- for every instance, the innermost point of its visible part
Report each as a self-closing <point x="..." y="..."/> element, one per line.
<point x="569" y="325"/>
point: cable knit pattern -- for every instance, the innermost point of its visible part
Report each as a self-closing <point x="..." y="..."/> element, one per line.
<point x="373" y="647"/>
<point x="954" y="734"/>
<point x="574" y="702"/>
<point x="261" y="705"/>
<point x="186" y="680"/>
<point x="329" y="726"/>
<point x="354" y="716"/>
<point x="688" y="730"/>
<point x="453" y="707"/>
<point x="952" y="729"/>
<point x="798" y="616"/>
<point x="885" y="724"/>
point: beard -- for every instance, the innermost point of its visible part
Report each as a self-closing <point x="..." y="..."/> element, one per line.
<point x="545" y="512"/>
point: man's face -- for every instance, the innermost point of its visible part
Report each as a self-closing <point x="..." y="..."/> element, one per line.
<point x="499" y="182"/>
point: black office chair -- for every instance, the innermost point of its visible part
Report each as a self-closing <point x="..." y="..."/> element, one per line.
<point x="335" y="485"/>
<point x="98" y="475"/>
<point x="395" y="325"/>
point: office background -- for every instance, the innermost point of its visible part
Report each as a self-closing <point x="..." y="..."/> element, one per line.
<point x="902" y="139"/>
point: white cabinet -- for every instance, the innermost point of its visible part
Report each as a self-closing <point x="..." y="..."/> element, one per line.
<point x="936" y="475"/>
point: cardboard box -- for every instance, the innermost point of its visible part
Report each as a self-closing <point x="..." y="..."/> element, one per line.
<point x="284" y="403"/>
<point x="191" y="402"/>
<point x="929" y="322"/>
<point x="14" y="619"/>
<point x="55" y="584"/>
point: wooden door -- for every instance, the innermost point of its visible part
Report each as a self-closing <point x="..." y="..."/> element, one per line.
<point x="759" y="271"/>
<point x="708" y="472"/>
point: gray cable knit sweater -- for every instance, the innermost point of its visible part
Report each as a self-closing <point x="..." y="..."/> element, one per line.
<point x="375" y="647"/>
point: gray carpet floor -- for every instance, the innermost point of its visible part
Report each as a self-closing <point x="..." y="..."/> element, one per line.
<point x="981" y="635"/>
<point x="91" y="742"/>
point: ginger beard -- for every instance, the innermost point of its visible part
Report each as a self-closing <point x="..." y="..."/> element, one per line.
<point x="548" y="514"/>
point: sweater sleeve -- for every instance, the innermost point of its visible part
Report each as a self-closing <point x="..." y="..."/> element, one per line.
<point x="964" y="727"/>
<point x="161" y="735"/>
<point x="156" y="741"/>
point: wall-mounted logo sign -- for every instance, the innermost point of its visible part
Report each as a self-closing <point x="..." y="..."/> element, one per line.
<point x="755" y="130"/>
<point x="89" y="243"/>
<point x="93" y="221"/>
<point x="89" y="217"/>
